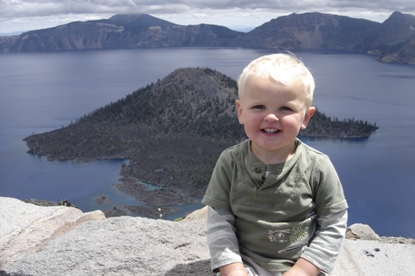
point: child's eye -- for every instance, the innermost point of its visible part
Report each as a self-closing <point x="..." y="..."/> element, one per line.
<point x="285" y="108"/>
<point x="260" y="106"/>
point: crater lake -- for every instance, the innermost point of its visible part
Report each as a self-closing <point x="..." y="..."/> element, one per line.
<point x="43" y="91"/>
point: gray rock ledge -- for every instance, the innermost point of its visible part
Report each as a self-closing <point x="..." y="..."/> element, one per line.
<point x="62" y="240"/>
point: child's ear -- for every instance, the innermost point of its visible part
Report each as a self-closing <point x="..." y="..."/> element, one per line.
<point x="239" y="109"/>
<point x="307" y="117"/>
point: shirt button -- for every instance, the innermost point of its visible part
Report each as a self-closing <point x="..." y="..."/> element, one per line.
<point x="259" y="184"/>
<point x="258" y="170"/>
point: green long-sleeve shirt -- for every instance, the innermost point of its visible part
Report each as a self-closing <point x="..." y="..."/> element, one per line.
<point x="275" y="216"/>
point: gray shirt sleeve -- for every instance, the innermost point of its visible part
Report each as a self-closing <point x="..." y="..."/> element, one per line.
<point x="325" y="247"/>
<point x="223" y="244"/>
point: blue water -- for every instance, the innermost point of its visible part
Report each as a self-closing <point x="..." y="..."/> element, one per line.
<point x="44" y="91"/>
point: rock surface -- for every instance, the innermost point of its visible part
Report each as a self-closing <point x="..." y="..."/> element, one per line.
<point x="365" y="253"/>
<point x="62" y="240"/>
<point x="27" y="228"/>
<point x="112" y="246"/>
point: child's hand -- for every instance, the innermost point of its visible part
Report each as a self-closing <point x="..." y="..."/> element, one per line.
<point x="234" y="269"/>
<point x="236" y="273"/>
<point x="302" y="268"/>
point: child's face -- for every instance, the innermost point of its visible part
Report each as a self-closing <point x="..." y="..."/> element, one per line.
<point x="272" y="115"/>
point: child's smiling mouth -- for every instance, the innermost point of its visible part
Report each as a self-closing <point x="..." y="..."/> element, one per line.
<point x="270" y="130"/>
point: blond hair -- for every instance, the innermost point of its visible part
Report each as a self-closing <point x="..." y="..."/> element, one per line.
<point x="282" y="68"/>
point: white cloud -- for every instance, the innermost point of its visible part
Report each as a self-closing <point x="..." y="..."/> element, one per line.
<point x="24" y="15"/>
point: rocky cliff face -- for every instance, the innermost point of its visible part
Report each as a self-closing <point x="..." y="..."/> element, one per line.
<point x="119" y="32"/>
<point x="64" y="241"/>
<point x="391" y="41"/>
<point x="311" y="31"/>
<point x="394" y="40"/>
<point x="6" y="43"/>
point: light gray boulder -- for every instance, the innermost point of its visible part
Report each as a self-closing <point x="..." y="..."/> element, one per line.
<point x="64" y="241"/>
<point x="27" y="228"/>
<point x="113" y="246"/>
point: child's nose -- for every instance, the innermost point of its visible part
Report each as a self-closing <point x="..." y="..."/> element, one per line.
<point x="271" y="117"/>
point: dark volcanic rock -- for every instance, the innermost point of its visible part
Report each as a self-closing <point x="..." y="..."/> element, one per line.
<point x="151" y="211"/>
<point x="114" y="212"/>
<point x="101" y="199"/>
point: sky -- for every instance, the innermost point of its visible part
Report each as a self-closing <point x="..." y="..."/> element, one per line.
<point x="25" y="15"/>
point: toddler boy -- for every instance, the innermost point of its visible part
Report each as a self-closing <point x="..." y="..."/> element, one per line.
<point x="276" y="205"/>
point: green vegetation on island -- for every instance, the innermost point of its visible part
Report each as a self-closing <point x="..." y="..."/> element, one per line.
<point x="172" y="132"/>
<point x="323" y="126"/>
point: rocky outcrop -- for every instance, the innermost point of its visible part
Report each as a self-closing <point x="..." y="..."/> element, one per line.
<point x="6" y="43"/>
<point x="34" y="243"/>
<point x="365" y="253"/>
<point x="27" y="228"/>
<point x="64" y="241"/>
<point x="395" y="39"/>
<point x="311" y="31"/>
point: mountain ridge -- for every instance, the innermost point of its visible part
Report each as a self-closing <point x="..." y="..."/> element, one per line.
<point x="312" y="31"/>
<point x="392" y="41"/>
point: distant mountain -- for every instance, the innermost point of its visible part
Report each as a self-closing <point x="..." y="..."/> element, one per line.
<point x="120" y="32"/>
<point x="134" y="20"/>
<point x="7" y="42"/>
<point x="394" y="40"/>
<point x="311" y="31"/>
<point x="391" y="41"/>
